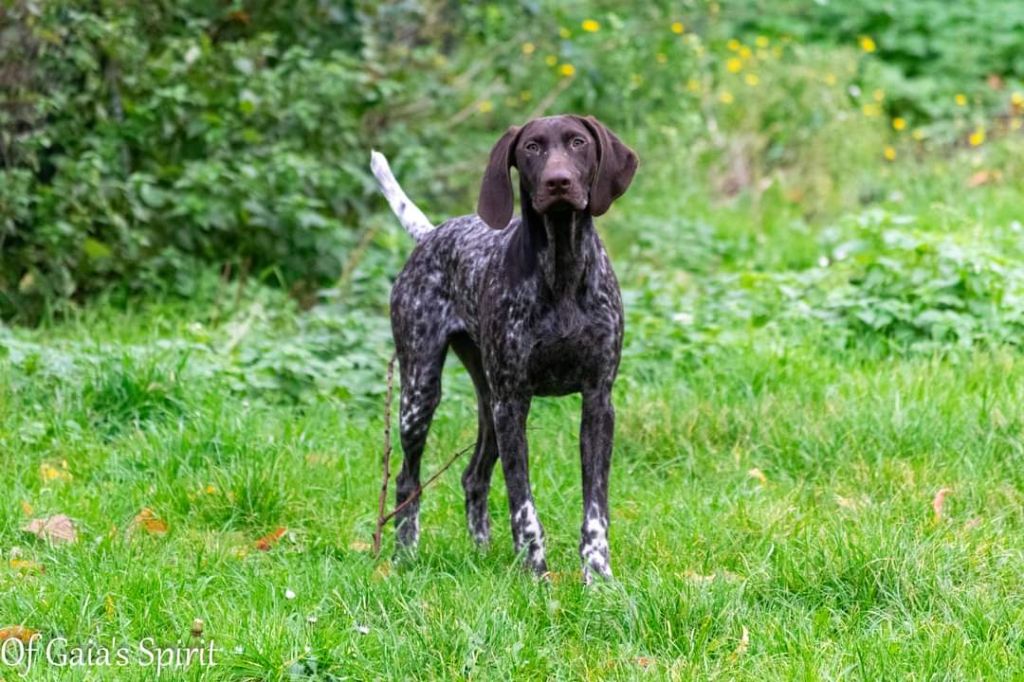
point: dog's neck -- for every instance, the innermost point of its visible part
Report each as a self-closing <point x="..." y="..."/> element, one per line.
<point x="562" y="245"/>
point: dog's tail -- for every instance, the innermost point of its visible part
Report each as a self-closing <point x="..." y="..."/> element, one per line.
<point x="411" y="217"/>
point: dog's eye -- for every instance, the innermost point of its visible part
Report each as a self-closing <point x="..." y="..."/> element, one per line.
<point x="578" y="142"/>
<point x="532" y="147"/>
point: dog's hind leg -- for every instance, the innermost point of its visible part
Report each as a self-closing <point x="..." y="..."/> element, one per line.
<point x="476" y="480"/>
<point x="421" y="392"/>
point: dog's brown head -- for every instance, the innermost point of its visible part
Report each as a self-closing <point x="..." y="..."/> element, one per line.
<point x="565" y="163"/>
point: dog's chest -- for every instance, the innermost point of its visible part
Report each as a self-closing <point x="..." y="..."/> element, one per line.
<point x="572" y="344"/>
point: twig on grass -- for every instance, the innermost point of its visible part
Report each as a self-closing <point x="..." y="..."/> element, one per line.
<point x="386" y="458"/>
<point x="383" y="518"/>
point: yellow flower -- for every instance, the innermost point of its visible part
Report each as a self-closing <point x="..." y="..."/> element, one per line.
<point x="725" y="97"/>
<point x="745" y="52"/>
<point x="551" y="60"/>
<point x="918" y="134"/>
<point x="961" y="99"/>
<point x="528" y="48"/>
<point x="879" y="95"/>
<point x="677" y="27"/>
<point x="761" y="41"/>
<point x="830" y="79"/>
<point x="567" y="70"/>
<point x="733" y="44"/>
<point x="734" y="65"/>
<point x="871" y="110"/>
<point x="564" y="32"/>
<point x="661" y="57"/>
<point x="752" y="79"/>
<point x="889" y="153"/>
<point x="867" y="43"/>
<point x="590" y="26"/>
<point x="693" y="85"/>
<point x="977" y="138"/>
<point x="899" y="123"/>
<point x="1017" y="99"/>
<point x="485" y="106"/>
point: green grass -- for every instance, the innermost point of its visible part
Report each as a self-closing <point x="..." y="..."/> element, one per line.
<point x="766" y="479"/>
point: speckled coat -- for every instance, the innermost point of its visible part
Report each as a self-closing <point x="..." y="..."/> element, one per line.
<point x="531" y="309"/>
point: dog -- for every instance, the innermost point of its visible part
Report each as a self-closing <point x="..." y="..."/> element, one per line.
<point x="531" y="307"/>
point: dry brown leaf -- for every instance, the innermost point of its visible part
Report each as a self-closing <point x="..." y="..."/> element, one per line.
<point x="978" y="179"/>
<point x="939" y="501"/>
<point x="644" y="661"/>
<point x="557" y="576"/>
<point x="846" y="502"/>
<point x="26" y="566"/>
<point x="270" y="539"/>
<point x="693" y="576"/>
<point x="57" y="528"/>
<point x="359" y="546"/>
<point x="148" y="521"/>
<point x="744" y="644"/>
<point x="19" y="632"/>
<point x="758" y="474"/>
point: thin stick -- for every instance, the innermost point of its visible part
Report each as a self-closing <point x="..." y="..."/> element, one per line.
<point x="419" y="489"/>
<point x="386" y="460"/>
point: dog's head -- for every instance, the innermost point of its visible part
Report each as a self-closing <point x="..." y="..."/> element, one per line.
<point x="565" y="163"/>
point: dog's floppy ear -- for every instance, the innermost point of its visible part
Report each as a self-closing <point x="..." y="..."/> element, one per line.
<point x="495" y="203"/>
<point x="616" y="164"/>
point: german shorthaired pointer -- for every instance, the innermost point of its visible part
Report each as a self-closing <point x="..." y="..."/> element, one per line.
<point x="531" y="307"/>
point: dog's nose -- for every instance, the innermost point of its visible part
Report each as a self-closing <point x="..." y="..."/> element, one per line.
<point x="557" y="181"/>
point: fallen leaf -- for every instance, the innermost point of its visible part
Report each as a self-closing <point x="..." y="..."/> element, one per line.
<point x="693" y="576"/>
<point x="26" y="566"/>
<point x="939" y="501"/>
<point x="744" y="644"/>
<point x="48" y="472"/>
<point x="19" y="632"/>
<point x="758" y="474"/>
<point x="644" y="661"/>
<point x="556" y="576"/>
<point x="978" y="179"/>
<point x="383" y="570"/>
<point x="846" y="502"/>
<point x="148" y="521"/>
<point x="359" y="546"/>
<point x="270" y="539"/>
<point x="57" y="528"/>
<point x="26" y="508"/>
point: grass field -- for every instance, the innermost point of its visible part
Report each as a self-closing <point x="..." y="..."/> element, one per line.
<point x="773" y="494"/>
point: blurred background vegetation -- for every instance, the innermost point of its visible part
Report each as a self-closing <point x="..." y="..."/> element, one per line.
<point x="803" y="162"/>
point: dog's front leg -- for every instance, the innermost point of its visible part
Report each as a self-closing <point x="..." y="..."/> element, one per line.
<point x="597" y="429"/>
<point x="510" y="426"/>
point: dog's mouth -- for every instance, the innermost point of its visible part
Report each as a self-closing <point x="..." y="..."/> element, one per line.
<point x="559" y="203"/>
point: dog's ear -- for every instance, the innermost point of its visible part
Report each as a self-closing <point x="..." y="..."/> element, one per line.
<point x="495" y="203"/>
<point x="616" y="164"/>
